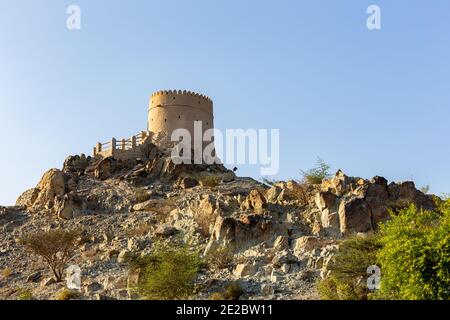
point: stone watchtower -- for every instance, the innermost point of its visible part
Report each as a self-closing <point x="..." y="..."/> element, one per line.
<point x="170" y="110"/>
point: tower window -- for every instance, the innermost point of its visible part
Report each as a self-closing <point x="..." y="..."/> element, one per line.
<point x="179" y="117"/>
<point x="165" y="120"/>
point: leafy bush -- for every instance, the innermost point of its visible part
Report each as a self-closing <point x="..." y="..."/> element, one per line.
<point x="415" y="257"/>
<point x="219" y="258"/>
<point x="55" y="246"/>
<point x="168" y="272"/>
<point x="318" y="173"/>
<point x="348" y="269"/>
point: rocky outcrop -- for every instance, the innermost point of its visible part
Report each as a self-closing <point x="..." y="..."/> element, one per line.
<point x="351" y="205"/>
<point x="51" y="186"/>
<point x="255" y="202"/>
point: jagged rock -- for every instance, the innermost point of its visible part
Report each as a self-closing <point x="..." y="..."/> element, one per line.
<point x="267" y="289"/>
<point x="326" y="200"/>
<point x="27" y="198"/>
<point x="307" y="243"/>
<point x="51" y="186"/>
<point x="255" y="202"/>
<point x="93" y="287"/>
<point x="105" y="168"/>
<point x="76" y="164"/>
<point x="276" y="276"/>
<point x="281" y="243"/>
<point x="330" y="220"/>
<point x="244" y="270"/>
<point x="155" y="205"/>
<point x="187" y="183"/>
<point x="283" y="257"/>
<point x="165" y="230"/>
<point x="69" y="207"/>
<point x="341" y="184"/>
<point x="228" y="176"/>
<point x="355" y="216"/>
<point x="273" y="193"/>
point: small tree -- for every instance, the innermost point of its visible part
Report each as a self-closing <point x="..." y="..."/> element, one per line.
<point x="55" y="246"/>
<point x="318" y="173"/>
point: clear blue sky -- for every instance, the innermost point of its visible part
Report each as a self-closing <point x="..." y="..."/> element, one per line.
<point x="368" y="102"/>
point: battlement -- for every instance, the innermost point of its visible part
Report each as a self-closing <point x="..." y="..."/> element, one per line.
<point x="178" y="98"/>
<point x="173" y="93"/>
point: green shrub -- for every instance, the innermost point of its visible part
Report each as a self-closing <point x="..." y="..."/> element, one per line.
<point x="415" y="257"/>
<point x="318" y="173"/>
<point x="219" y="258"/>
<point x="168" y="272"/>
<point x="348" y="269"/>
<point x="55" y="246"/>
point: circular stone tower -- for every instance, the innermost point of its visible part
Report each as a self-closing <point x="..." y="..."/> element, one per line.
<point x="174" y="109"/>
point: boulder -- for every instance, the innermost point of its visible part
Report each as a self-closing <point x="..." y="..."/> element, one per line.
<point x="165" y="230"/>
<point x="255" y="202"/>
<point x="51" y="186"/>
<point x="27" y="198"/>
<point x="245" y="270"/>
<point x="76" y="164"/>
<point x="281" y="243"/>
<point x="307" y="243"/>
<point x="187" y="183"/>
<point x="283" y="257"/>
<point x="355" y="216"/>
<point x="228" y="176"/>
<point x="326" y="200"/>
<point x="105" y="168"/>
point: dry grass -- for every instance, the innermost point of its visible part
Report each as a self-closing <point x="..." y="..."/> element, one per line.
<point x="209" y="181"/>
<point x="67" y="294"/>
<point x="219" y="258"/>
<point x="6" y="273"/>
<point x="141" y="195"/>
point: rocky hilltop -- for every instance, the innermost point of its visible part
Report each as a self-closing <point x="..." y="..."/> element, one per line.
<point x="282" y="236"/>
